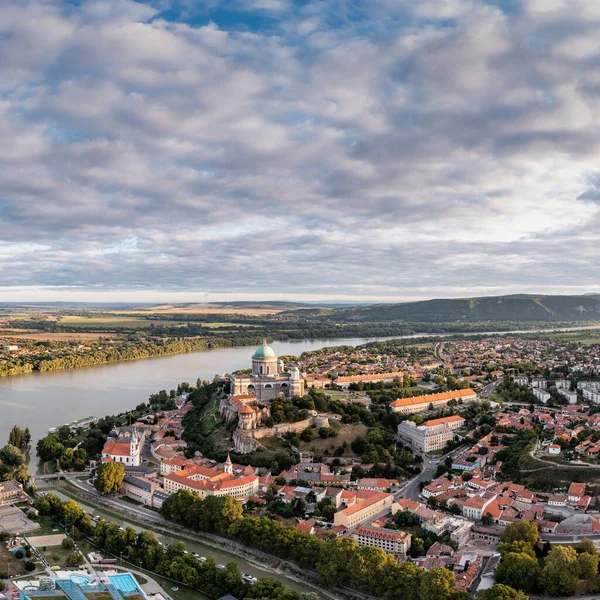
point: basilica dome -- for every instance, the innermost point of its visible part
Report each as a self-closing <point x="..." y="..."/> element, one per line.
<point x="264" y="351"/>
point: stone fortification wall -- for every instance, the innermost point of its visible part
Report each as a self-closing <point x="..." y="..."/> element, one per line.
<point x="281" y="429"/>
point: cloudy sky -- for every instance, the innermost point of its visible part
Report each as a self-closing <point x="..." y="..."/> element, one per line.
<point x="170" y="149"/>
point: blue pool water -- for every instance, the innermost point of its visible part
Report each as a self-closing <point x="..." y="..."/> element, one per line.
<point x="80" y="579"/>
<point x="125" y="583"/>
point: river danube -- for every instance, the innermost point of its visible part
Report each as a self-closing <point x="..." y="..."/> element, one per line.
<point x="43" y="400"/>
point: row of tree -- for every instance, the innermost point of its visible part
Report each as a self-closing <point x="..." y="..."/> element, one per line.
<point x="144" y="550"/>
<point x="13" y="456"/>
<point x="140" y="346"/>
<point x="565" y="568"/>
<point x="338" y="561"/>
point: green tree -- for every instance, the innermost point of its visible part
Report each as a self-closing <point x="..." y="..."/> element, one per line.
<point x="328" y="512"/>
<point x="366" y="566"/>
<point x="501" y="592"/>
<point x="334" y="560"/>
<point x="401" y="581"/>
<point x="517" y="546"/>
<point x="436" y="584"/>
<point x="15" y="437"/>
<point x="30" y="566"/>
<point x="518" y="570"/>
<point x="586" y="545"/>
<point x="67" y="543"/>
<point x="74" y="559"/>
<point x="560" y="575"/>
<point x="307" y="435"/>
<point x="526" y="531"/>
<point x="588" y="567"/>
<point x="110" y="477"/>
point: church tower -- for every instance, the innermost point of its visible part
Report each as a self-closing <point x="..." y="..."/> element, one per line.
<point x="228" y="466"/>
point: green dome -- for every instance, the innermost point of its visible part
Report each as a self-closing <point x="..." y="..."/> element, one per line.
<point x="264" y="351"/>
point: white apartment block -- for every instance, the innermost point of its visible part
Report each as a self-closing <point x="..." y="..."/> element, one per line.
<point x="541" y="395"/>
<point x="589" y="385"/>
<point x="539" y="383"/>
<point x="571" y="397"/>
<point x="591" y="395"/>
<point x="431" y="435"/>
<point x="562" y="384"/>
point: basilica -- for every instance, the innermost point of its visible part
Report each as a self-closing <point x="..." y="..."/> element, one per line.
<point x="269" y="378"/>
<point x="251" y="396"/>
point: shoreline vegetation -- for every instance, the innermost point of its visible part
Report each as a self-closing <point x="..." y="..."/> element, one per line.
<point x="53" y="355"/>
<point x="121" y="351"/>
<point x="50" y="338"/>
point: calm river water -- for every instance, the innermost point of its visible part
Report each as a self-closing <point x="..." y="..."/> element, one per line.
<point x="43" y="400"/>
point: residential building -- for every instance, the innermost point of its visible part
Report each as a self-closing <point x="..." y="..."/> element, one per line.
<point x="367" y="505"/>
<point x="10" y="491"/>
<point x="571" y="397"/>
<point x="390" y="540"/>
<point x="541" y="394"/>
<point x="436" y="487"/>
<point x="375" y="484"/>
<point x="487" y="534"/>
<point x="475" y="507"/>
<point x="591" y="395"/>
<point x="418" y="404"/>
<point x="140" y="489"/>
<point x="204" y="483"/>
<point x="576" y="492"/>
<point x="431" y="435"/>
<point x="172" y="465"/>
<point x="158" y="498"/>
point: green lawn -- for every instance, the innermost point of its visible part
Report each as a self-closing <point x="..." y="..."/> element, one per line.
<point x="56" y="555"/>
<point x="47" y="468"/>
<point x="9" y="564"/>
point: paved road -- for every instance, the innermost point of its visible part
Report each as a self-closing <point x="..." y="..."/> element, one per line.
<point x="411" y="490"/>
<point x="490" y="387"/>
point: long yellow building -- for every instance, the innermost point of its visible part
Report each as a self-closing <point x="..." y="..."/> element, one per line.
<point x="421" y="403"/>
<point x="368" y="504"/>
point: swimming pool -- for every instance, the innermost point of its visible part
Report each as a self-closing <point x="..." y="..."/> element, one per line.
<point x="81" y="579"/>
<point x="125" y="583"/>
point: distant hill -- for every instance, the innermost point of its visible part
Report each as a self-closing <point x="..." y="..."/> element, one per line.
<point x="493" y="308"/>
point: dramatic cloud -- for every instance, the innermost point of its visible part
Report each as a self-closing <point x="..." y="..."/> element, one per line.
<point x="388" y="148"/>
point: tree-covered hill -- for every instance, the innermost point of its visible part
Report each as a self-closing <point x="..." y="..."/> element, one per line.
<point x="493" y="308"/>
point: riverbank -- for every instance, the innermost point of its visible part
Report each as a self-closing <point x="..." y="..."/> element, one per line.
<point x="41" y="400"/>
<point x="119" y="351"/>
<point x="259" y="560"/>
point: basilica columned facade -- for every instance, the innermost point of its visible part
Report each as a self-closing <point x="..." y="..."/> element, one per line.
<point x="269" y="378"/>
<point x="251" y="394"/>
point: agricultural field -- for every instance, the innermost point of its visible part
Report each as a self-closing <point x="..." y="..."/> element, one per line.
<point x="208" y="309"/>
<point x="103" y="322"/>
<point x="219" y="325"/>
<point x="84" y="336"/>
